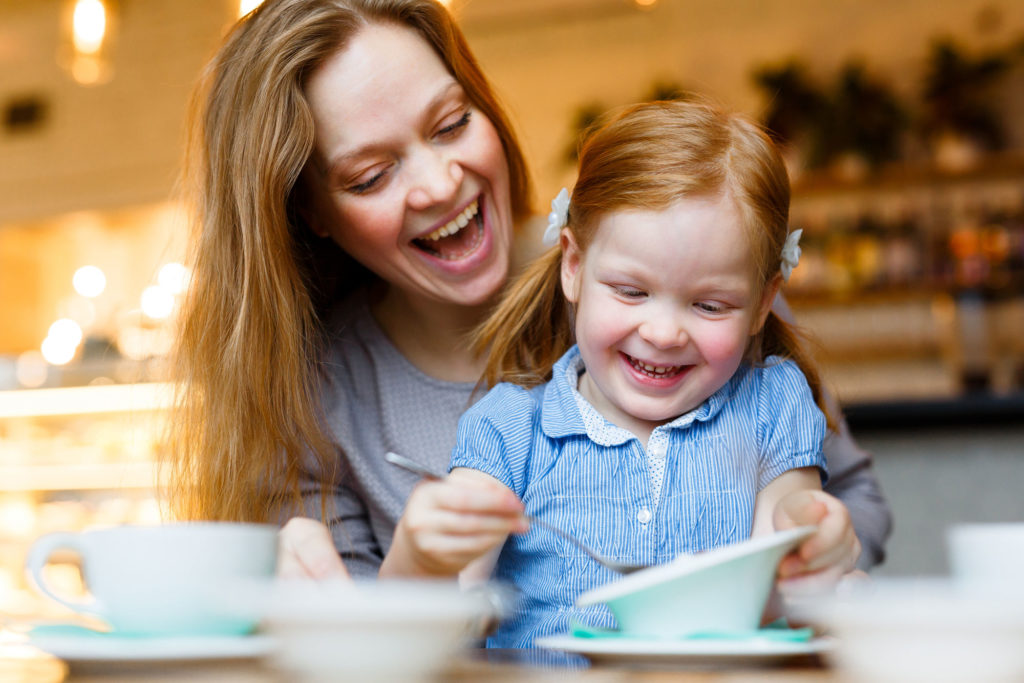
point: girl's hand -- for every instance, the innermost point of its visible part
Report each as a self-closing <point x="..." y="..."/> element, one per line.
<point x="447" y="524"/>
<point x="822" y="560"/>
<point x="305" y="550"/>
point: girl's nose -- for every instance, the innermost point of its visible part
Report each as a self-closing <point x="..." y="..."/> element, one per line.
<point x="436" y="178"/>
<point x="664" y="332"/>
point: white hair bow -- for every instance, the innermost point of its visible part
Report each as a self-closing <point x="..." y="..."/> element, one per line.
<point x="557" y="218"/>
<point x="790" y="253"/>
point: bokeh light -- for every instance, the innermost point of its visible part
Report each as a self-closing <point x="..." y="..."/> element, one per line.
<point x="66" y="332"/>
<point x="89" y="281"/>
<point x="56" y="352"/>
<point x="157" y="302"/>
<point x="173" y="277"/>
<point x="31" y="369"/>
<point x="89" y="26"/>
<point x="246" y="6"/>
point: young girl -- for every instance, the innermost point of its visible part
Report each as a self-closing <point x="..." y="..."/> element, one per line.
<point x="685" y="417"/>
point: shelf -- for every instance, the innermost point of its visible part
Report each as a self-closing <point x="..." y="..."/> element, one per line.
<point x="89" y="400"/>
<point x="901" y="176"/>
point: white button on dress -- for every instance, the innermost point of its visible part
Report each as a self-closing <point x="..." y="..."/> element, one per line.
<point x="643" y="516"/>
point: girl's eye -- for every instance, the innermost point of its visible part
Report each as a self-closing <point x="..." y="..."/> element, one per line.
<point x="452" y="129"/>
<point x="628" y="292"/>
<point x="710" y="307"/>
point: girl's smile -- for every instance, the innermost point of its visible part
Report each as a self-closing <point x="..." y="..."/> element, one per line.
<point x="648" y="373"/>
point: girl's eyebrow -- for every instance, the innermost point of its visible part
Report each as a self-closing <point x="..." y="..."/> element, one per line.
<point x="369" y="149"/>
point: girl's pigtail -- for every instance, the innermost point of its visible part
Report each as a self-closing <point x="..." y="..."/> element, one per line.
<point x="530" y="329"/>
<point x="779" y="338"/>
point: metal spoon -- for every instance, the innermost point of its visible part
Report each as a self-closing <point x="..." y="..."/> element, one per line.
<point x="616" y="566"/>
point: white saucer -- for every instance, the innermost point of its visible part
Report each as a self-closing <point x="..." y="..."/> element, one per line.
<point x="76" y="649"/>
<point x="696" y="652"/>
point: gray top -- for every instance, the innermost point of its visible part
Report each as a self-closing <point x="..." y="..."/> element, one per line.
<point x="376" y="401"/>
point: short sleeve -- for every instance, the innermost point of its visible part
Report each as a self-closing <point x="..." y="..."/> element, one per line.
<point x="791" y="427"/>
<point x="495" y="436"/>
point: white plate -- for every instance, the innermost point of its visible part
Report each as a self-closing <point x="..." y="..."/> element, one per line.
<point x="696" y="652"/>
<point x="111" y="649"/>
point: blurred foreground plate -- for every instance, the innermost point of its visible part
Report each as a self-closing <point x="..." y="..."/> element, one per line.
<point x="93" y="648"/>
<point x="693" y="653"/>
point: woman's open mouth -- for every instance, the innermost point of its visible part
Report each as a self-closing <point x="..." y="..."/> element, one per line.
<point x="457" y="238"/>
<point x="655" y="371"/>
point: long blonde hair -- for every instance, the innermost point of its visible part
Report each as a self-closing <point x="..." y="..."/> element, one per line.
<point x="247" y="356"/>
<point x="647" y="157"/>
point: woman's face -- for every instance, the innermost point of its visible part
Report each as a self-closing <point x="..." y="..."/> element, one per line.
<point x="408" y="176"/>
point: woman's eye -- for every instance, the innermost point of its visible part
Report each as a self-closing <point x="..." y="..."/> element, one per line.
<point x="368" y="184"/>
<point x="453" y="128"/>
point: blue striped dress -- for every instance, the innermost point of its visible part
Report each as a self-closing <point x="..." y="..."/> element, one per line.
<point x="690" y="488"/>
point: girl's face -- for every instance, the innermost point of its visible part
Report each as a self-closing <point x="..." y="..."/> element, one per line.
<point x="408" y="176"/>
<point x="666" y="303"/>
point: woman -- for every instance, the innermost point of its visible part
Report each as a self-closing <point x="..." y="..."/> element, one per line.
<point x="358" y="194"/>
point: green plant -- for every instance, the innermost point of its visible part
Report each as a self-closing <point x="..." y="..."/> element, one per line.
<point x="957" y="94"/>
<point x="862" y="116"/>
<point x="585" y="117"/>
<point x="795" y="103"/>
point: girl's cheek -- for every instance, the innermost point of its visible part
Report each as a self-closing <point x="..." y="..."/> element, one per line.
<point x="725" y="346"/>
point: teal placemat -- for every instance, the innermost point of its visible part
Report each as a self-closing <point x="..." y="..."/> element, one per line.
<point x="776" y="632"/>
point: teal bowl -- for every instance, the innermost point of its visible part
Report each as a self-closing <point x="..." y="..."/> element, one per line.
<point x="724" y="590"/>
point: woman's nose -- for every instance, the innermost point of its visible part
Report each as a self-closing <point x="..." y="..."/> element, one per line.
<point x="436" y="177"/>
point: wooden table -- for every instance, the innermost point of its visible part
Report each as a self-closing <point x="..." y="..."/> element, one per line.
<point x="26" y="665"/>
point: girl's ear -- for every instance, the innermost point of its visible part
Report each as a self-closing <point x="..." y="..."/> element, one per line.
<point x="572" y="260"/>
<point x="767" y="298"/>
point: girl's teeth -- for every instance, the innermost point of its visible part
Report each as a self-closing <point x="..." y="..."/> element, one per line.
<point x="655" y="369"/>
<point x="454" y="225"/>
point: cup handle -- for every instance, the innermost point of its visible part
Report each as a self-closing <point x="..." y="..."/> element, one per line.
<point x="38" y="557"/>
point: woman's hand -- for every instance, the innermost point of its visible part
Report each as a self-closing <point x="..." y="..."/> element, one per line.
<point x="450" y="523"/>
<point x="822" y="560"/>
<point x="305" y="550"/>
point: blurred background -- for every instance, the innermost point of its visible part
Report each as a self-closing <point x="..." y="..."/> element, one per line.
<point x="903" y="126"/>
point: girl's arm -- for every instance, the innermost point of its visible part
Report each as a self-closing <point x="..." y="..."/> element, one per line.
<point x="795" y="498"/>
<point x="449" y="524"/>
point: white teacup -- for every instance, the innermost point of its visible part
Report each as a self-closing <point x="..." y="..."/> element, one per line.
<point x="987" y="555"/>
<point x="171" y="579"/>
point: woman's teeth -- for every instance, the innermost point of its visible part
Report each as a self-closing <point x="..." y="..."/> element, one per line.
<point x="454" y="225"/>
